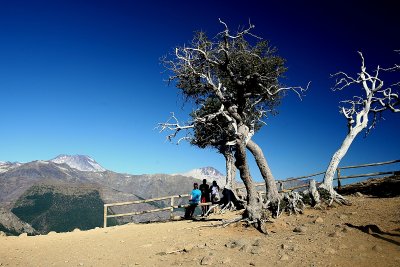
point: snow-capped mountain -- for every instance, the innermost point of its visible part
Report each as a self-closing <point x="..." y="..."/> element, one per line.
<point x="79" y="162"/>
<point x="208" y="173"/>
<point x="6" y="165"/>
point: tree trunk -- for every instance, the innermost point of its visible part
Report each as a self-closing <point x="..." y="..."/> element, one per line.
<point x="327" y="184"/>
<point x="271" y="188"/>
<point x="253" y="207"/>
<point x="336" y="158"/>
<point x="314" y="193"/>
<point x="230" y="169"/>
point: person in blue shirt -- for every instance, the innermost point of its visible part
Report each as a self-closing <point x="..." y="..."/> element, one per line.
<point x="194" y="200"/>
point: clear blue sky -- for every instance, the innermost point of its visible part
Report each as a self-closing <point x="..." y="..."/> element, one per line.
<point x="83" y="77"/>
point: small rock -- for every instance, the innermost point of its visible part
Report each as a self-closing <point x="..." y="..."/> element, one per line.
<point x="284" y="257"/>
<point x="283" y="246"/>
<point x="234" y="244"/>
<point x="258" y="242"/>
<point x="188" y="247"/>
<point x="319" y="220"/>
<point x="255" y="250"/>
<point x="252" y="263"/>
<point x="343" y="217"/>
<point x="2" y="233"/>
<point x="358" y="194"/>
<point x="52" y="233"/>
<point x="334" y="234"/>
<point x="299" y="229"/>
<point x="206" y="260"/>
<point x="81" y="264"/>
<point x="226" y="260"/>
<point x="244" y="248"/>
<point x="176" y="218"/>
<point x="377" y="248"/>
<point x="76" y="230"/>
<point x="23" y="235"/>
<point x="294" y="248"/>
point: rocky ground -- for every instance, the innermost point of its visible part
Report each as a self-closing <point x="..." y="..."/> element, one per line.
<point x="364" y="234"/>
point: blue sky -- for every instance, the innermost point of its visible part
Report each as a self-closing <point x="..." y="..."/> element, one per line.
<point x="84" y="77"/>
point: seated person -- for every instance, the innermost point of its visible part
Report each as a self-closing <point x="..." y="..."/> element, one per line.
<point x="194" y="200"/>
<point x="205" y="196"/>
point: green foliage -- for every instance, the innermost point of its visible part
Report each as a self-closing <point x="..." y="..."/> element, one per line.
<point x="54" y="211"/>
<point x="307" y="198"/>
<point x="212" y="132"/>
<point x="324" y="194"/>
<point x="247" y="77"/>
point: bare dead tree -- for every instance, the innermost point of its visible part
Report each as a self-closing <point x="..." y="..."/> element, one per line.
<point x="376" y="99"/>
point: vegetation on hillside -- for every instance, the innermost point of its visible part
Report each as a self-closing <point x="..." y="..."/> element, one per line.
<point x="47" y="209"/>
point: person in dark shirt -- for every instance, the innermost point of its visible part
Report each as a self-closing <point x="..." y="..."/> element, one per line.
<point x="205" y="196"/>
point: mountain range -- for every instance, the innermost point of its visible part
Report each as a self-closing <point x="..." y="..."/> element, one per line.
<point x="40" y="191"/>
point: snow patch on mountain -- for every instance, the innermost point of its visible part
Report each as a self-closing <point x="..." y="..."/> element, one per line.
<point x="79" y="162"/>
<point x="6" y="165"/>
<point x="209" y="173"/>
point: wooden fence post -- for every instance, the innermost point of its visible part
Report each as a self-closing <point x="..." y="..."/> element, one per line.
<point x="172" y="209"/>
<point x="338" y="179"/>
<point x="105" y="216"/>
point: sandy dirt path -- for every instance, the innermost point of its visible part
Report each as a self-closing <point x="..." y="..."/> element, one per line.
<point x="364" y="234"/>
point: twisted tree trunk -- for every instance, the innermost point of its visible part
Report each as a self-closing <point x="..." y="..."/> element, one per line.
<point x="230" y="169"/>
<point x="334" y="163"/>
<point x="253" y="207"/>
<point x="271" y="188"/>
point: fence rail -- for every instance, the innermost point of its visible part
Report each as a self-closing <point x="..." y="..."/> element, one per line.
<point x="172" y="206"/>
<point x="339" y="177"/>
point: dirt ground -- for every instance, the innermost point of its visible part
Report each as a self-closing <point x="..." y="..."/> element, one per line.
<point x="364" y="234"/>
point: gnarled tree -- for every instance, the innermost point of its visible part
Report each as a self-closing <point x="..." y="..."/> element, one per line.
<point x="361" y="112"/>
<point x="243" y="79"/>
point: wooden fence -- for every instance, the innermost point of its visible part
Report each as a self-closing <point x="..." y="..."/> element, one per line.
<point x="170" y="208"/>
<point x="339" y="177"/>
<point x="280" y="183"/>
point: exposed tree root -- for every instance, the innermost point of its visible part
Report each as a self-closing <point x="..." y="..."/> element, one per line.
<point x="294" y="203"/>
<point x="228" y="207"/>
<point x="225" y="223"/>
<point x="314" y="194"/>
<point x="211" y="208"/>
<point x="329" y="195"/>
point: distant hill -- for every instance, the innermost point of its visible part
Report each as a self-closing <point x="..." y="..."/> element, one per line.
<point x="60" y="207"/>
<point x="10" y="224"/>
<point x="20" y="184"/>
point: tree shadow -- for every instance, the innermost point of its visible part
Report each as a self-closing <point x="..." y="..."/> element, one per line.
<point x="375" y="231"/>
